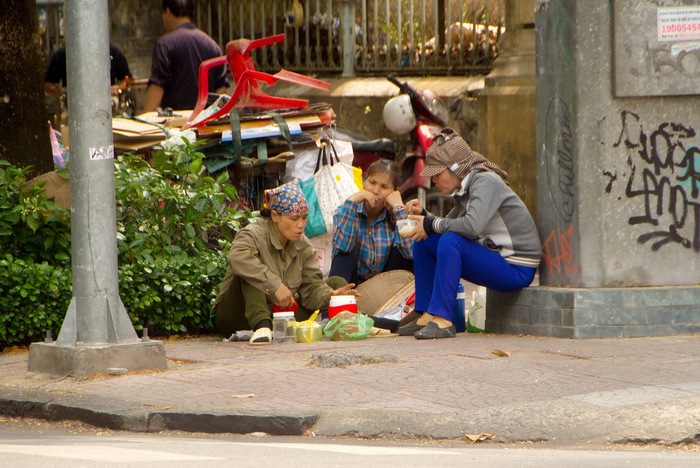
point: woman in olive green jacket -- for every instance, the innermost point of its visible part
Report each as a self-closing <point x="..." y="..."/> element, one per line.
<point x="272" y="263"/>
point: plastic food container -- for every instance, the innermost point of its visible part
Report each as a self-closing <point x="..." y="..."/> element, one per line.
<point x="405" y="226"/>
<point x="308" y="332"/>
<point x="340" y="303"/>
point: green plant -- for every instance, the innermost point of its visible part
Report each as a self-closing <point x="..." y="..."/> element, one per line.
<point x="32" y="227"/>
<point x="174" y="225"/>
<point x="170" y="208"/>
<point x="172" y="295"/>
<point x="173" y="222"/>
<point x="34" y="297"/>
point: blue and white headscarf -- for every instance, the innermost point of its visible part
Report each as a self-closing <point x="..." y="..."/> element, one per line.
<point x="287" y="200"/>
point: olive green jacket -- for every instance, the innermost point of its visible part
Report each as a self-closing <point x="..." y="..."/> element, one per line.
<point x="257" y="257"/>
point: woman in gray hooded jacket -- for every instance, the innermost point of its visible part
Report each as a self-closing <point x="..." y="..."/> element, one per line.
<point x="488" y="239"/>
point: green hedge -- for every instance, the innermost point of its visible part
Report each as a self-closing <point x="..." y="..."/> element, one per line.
<point x="171" y="296"/>
<point x="174" y="226"/>
<point x="34" y="297"/>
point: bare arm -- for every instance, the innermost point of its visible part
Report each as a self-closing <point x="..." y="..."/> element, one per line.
<point x="154" y="95"/>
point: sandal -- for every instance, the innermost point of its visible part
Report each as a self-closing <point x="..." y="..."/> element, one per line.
<point x="375" y="331"/>
<point x="262" y="336"/>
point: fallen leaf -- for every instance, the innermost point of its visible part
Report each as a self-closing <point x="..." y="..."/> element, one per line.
<point x="474" y="438"/>
<point x="500" y="353"/>
<point x="243" y="395"/>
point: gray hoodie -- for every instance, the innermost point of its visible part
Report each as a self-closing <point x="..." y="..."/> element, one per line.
<point x="488" y="211"/>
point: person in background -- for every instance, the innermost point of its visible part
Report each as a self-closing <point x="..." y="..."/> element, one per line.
<point x="56" y="76"/>
<point x="271" y="263"/>
<point x="489" y="238"/>
<point x="174" y="80"/>
<point x="366" y="241"/>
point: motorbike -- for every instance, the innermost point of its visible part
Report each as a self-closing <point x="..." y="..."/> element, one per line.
<point x="366" y="151"/>
<point x="422" y="114"/>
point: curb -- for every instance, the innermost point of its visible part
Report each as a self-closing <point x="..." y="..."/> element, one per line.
<point x="122" y="417"/>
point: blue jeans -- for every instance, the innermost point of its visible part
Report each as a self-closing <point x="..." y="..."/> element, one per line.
<point x="442" y="259"/>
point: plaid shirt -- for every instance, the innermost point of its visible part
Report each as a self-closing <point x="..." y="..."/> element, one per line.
<point x="371" y="243"/>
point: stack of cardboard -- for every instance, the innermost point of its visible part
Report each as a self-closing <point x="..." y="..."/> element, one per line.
<point x="146" y="130"/>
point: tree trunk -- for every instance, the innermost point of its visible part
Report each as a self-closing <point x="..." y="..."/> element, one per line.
<point x="24" y="131"/>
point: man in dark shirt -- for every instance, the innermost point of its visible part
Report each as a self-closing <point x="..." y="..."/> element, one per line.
<point x="174" y="80"/>
<point x="56" y="73"/>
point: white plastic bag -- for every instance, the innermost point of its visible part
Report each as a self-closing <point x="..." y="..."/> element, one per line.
<point x="323" y="245"/>
<point x="476" y="318"/>
<point x="334" y="182"/>
<point x="303" y="165"/>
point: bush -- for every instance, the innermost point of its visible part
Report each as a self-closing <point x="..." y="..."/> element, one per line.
<point x="32" y="227"/>
<point x="172" y="295"/>
<point x="34" y="297"/>
<point x="173" y="228"/>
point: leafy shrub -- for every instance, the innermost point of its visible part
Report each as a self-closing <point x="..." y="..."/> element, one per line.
<point x="34" y="297"/>
<point x="32" y="227"/>
<point x="168" y="208"/>
<point x="172" y="295"/>
<point x="172" y="224"/>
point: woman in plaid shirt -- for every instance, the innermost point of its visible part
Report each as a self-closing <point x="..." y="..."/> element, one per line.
<point x="366" y="241"/>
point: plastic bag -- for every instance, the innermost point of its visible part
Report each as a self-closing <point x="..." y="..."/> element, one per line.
<point x="315" y="224"/>
<point x="347" y="326"/>
<point x="476" y="318"/>
<point x="308" y="331"/>
<point x="392" y="313"/>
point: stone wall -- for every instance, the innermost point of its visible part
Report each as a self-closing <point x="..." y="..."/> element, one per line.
<point x="135" y="26"/>
<point x="618" y="173"/>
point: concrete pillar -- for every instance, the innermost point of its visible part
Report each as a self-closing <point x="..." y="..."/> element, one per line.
<point x="506" y="133"/>
<point x="618" y="197"/>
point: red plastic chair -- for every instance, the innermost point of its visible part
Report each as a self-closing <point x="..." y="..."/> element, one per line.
<point x="247" y="92"/>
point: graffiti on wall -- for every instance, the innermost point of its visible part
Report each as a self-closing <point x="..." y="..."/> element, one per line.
<point x="664" y="178"/>
<point x="560" y="168"/>
<point x="558" y="250"/>
<point x="558" y="253"/>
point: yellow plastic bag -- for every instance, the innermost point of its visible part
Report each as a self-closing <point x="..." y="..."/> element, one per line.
<point x="357" y="176"/>
<point x="308" y="331"/>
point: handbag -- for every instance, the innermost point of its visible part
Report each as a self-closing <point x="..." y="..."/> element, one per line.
<point x="315" y="225"/>
<point x="305" y="161"/>
<point x="333" y="181"/>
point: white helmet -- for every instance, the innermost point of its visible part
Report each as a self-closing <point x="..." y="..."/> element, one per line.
<point x="398" y="114"/>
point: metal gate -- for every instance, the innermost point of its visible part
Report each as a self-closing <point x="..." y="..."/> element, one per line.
<point x="419" y="37"/>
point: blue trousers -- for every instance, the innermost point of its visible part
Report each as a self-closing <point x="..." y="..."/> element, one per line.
<point x="442" y="259"/>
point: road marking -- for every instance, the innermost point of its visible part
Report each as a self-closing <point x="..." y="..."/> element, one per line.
<point x="99" y="453"/>
<point x="354" y="450"/>
<point x="636" y="395"/>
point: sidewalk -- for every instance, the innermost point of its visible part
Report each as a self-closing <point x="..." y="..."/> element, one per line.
<point x="561" y="391"/>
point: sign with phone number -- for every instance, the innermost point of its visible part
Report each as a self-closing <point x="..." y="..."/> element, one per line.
<point x="678" y="23"/>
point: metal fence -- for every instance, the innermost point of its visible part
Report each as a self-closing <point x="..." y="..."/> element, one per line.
<point x="420" y="37"/>
<point x="51" y="32"/>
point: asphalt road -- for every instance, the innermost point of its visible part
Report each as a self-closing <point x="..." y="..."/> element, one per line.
<point x="28" y="442"/>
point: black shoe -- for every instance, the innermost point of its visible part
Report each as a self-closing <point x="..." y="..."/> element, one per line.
<point x="410" y="329"/>
<point x="432" y="330"/>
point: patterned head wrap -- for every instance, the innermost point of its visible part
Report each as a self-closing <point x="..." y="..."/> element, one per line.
<point x="450" y="151"/>
<point x="287" y="199"/>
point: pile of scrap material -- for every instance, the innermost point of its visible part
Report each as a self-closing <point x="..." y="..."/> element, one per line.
<point x="249" y="132"/>
<point x="143" y="132"/>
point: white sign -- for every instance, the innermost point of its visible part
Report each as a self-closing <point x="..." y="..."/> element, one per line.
<point x="678" y="23"/>
<point x="103" y="152"/>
